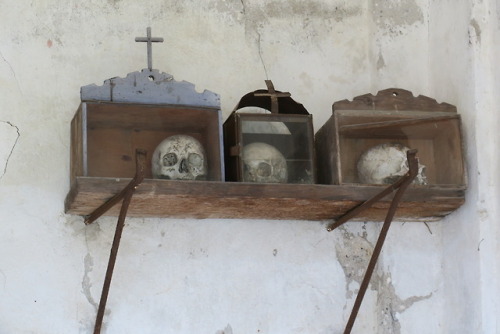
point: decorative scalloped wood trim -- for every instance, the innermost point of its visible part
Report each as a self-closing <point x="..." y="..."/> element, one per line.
<point x="393" y="99"/>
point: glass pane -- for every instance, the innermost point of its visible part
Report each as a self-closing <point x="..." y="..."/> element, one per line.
<point x="277" y="152"/>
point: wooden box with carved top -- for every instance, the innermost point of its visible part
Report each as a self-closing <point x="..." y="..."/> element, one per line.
<point x="141" y="111"/>
<point x="365" y="140"/>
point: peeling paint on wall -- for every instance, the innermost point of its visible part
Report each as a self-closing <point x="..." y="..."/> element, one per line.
<point x="86" y="283"/>
<point x="92" y="233"/>
<point x="227" y="330"/>
<point x="310" y="15"/>
<point x="380" y="61"/>
<point x="313" y="9"/>
<point x="259" y="12"/>
<point x="354" y="254"/>
<point x="390" y="305"/>
<point x="474" y="32"/>
<point x="391" y="15"/>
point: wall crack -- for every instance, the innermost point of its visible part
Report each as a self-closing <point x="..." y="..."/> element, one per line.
<point x="12" y="149"/>
<point x="244" y="8"/>
<point x="13" y="72"/>
<point x="260" y="54"/>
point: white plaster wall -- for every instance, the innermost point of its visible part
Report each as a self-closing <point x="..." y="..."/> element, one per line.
<point x="464" y="72"/>
<point x="240" y="276"/>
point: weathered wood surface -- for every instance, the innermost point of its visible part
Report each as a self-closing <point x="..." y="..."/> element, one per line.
<point x="77" y="145"/>
<point x="200" y="200"/>
<point x="149" y="86"/>
<point x="362" y="128"/>
<point x="393" y="99"/>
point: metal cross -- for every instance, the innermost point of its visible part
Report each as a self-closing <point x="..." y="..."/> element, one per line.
<point x="150" y="40"/>
<point x="271" y="92"/>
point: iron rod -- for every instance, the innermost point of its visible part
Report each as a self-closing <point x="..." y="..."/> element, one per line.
<point x="365" y="205"/>
<point x="126" y="195"/>
<point x="112" y="260"/>
<point x="402" y="184"/>
<point x="140" y="156"/>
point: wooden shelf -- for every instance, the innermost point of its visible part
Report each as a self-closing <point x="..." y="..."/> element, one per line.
<point x="235" y="200"/>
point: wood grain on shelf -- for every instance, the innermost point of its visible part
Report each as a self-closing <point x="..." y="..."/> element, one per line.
<point x="235" y="200"/>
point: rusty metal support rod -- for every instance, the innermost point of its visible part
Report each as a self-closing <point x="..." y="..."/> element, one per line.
<point x="126" y="195"/>
<point x="111" y="264"/>
<point x="365" y="205"/>
<point x="401" y="186"/>
<point x="140" y="156"/>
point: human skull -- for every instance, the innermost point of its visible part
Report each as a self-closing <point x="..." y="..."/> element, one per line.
<point x="179" y="157"/>
<point x="385" y="164"/>
<point x="263" y="163"/>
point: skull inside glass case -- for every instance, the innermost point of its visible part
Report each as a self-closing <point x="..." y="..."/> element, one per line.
<point x="269" y="139"/>
<point x="365" y="141"/>
<point x="178" y="127"/>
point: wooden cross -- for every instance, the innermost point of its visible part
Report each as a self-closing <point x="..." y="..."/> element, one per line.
<point x="271" y="92"/>
<point x="150" y="40"/>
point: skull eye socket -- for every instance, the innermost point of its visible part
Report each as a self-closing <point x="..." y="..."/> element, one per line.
<point x="195" y="160"/>
<point x="264" y="169"/>
<point x="169" y="159"/>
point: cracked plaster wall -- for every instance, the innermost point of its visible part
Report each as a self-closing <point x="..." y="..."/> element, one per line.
<point x="237" y="276"/>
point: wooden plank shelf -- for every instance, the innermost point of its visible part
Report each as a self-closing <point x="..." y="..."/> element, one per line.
<point x="237" y="200"/>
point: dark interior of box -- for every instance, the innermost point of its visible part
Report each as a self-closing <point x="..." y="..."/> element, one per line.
<point x="298" y="156"/>
<point x="294" y="146"/>
<point x="436" y="139"/>
<point x="115" y="131"/>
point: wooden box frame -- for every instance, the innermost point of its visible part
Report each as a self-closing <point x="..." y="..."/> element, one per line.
<point x="299" y="153"/>
<point x="392" y="116"/>
<point x="138" y="112"/>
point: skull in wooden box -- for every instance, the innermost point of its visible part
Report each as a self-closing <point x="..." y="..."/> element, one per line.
<point x="179" y="157"/>
<point x="385" y="164"/>
<point x="263" y="163"/>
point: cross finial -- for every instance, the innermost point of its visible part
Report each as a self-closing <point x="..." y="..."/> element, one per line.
<point x="271" y="92"/>
<point x="150" y="40"/>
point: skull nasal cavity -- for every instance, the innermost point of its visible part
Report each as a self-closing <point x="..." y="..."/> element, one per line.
<point x="183" y="168"/>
